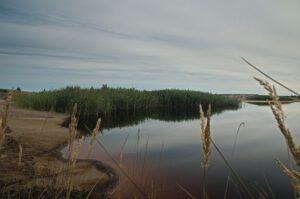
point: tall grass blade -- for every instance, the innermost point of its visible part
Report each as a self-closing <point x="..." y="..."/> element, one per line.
<point x="232" y="155"/>
<point x="4" y="118"/>
<point x="120" y="167"/>
<point x="234" y="174"/>
<point x="271" y="78"/>
<point x="186" y="191"/>
<point x="122" y="149"/>
<point x="269" y="187"/>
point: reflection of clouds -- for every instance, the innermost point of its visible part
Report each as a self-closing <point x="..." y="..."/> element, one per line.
<point x="133" y="42"/>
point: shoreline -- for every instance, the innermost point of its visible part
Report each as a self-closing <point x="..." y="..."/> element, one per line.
<point x="42" y="137"/>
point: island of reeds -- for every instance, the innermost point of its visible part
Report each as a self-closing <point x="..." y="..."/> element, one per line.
<point x="106" y="101"/>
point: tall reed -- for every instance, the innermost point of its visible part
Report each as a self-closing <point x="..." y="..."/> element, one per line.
<point x="5" y="115"/>
<point x="72" y="153"/>
<point x="72" y="128"/>
<point x="94" y="133"/>
<point x="205" y="137"/>
<point x="206" y="143"/>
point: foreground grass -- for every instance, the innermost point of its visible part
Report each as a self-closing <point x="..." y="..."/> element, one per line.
<point x="47" y="176"/>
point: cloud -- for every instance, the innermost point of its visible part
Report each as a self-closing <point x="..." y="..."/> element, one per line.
<point x="148" y="44"/>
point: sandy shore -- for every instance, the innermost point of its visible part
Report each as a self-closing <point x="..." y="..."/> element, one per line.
<point x="42" y="136"/>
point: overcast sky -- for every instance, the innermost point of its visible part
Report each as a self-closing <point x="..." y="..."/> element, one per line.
<point x="153" y="44"/>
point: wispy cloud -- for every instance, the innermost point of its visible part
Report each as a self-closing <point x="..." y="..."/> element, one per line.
<point x="148" y="44"/>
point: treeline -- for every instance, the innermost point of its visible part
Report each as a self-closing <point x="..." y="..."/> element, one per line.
<point x="106" y="101"/>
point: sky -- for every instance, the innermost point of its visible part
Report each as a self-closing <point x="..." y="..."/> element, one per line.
<point x="149" y="44"/>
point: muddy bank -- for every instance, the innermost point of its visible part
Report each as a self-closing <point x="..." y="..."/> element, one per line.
<point x="41" y="137"/>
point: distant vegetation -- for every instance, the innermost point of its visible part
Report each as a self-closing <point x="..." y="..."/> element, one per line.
<point x="107" y="101"/>
<point x="267" y="97"/>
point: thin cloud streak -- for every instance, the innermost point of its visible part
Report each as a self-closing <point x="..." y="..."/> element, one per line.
<point x="192" y="45"/>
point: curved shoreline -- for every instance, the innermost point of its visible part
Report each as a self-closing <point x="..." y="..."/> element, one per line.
<point x="102" y="190"/>
<point x="42" y="137"/>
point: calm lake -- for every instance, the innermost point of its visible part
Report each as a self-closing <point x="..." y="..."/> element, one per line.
<point x="162" y="155"/>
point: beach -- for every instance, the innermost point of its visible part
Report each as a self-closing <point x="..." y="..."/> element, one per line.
<point x="41" y="136"/>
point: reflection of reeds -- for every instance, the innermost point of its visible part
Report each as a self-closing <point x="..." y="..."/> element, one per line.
<point x="205" y="137"/>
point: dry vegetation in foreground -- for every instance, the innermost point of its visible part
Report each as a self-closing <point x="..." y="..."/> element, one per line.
<point x="279" y="115"/>
<point x="31" y="166"/>
<point x="294" y="150"/>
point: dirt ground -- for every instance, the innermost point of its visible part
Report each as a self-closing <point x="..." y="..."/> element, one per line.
<point x="41" y="136"/>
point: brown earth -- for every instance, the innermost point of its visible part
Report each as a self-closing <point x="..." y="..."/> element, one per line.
<point x="42" y="136"/>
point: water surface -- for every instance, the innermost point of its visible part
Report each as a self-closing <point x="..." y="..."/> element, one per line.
<point x="162" y="154"/>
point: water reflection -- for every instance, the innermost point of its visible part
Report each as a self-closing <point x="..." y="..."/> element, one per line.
<point x="125" y="119"/>
<point x="166" y="150"/>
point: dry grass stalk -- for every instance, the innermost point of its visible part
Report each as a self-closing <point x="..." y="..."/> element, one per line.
<point x="72" y="128"/>
<point x="293" y="175"/>
<point x="4" y="119"/>
<point x="76" y="151"/>
<point x="202" y="119"/>
<point x="2" y="135"/>
<point x="20" y="154"/>
<point x="122" y="150"/>
<point x="277" y="110"/>
<point x="73" y="154"/>
<point x="93" y="136"/>
<point x="205" y="137"/>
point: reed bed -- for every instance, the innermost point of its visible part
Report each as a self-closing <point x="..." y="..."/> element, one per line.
<point x="107" y="101"/>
